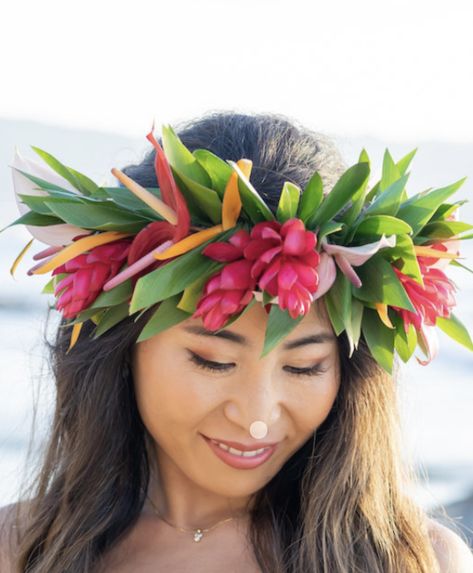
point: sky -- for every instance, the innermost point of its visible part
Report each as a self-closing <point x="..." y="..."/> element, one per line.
<point x="398" y="70"/>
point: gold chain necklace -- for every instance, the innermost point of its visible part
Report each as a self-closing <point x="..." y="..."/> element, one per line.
<point x="197" y="533"/>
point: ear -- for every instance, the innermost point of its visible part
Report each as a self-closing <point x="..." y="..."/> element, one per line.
<point x="453" y="554"/>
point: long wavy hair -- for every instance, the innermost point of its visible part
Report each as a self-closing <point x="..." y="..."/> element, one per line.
<point x="338" y="505"/>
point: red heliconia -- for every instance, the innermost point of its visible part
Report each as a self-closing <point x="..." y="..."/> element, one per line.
<point x="231" y="289"/>
<point x="88" y="273"/>
<point x="434" y="299"/>
<point x="157" y="232"/>
<point x="285" y="263"/>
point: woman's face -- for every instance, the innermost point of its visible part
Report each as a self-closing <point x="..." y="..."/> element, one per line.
<point x="182" y="403"/>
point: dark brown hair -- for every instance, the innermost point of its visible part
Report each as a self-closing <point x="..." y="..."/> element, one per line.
<point x="339" y="505"/>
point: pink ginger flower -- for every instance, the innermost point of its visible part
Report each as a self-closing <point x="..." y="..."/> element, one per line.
<point x="434" y="299"/>
<point x="231" y="289"/>
<point x="285" y="263"/>
<point x="88" y="273"/>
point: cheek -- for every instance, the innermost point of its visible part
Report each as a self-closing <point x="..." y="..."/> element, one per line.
<point x="169" y="394"/>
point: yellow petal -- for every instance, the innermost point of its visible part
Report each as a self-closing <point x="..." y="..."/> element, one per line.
<point x="151" y="200"/>
<point x="16" y="262"/>
<point x="245" y="165"/>
<point x="78" y="247"/>
<point x="75" y="334"/>
<point x="428" y="252"/>
<point x="189" y="242"/>
<point x="231" y="205"/>
<point x="383" y="314"/>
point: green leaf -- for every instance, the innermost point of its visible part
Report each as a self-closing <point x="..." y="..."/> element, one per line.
<point x="124" y="198"/>
<point x="380" y="339"/>
<point x="354" y="328"/>
<point x="174" y="276"/>
<point x="419" y="209"/>
<point x="99" y="217"/>
<point x="288" y="202"/>
<point x="42" y="183"/>
<point x="279" y="324"/>
<point x="114" y="296"/>
<point x="404" y="252"/>
<point x="110" y="318"/>
<point x="327" y="229"/>
<point x="207" y="199"/>
<point x="75" y="179"/>
<point x="218" y="170"/>
<point x="84" y="182"/>
<point x="32" y="218"/>
<point x="458" y="264"/>
<point x="51" y="285"/>
<point x="403" y="164"/>
<point x="382" y="224"/>
<point x="454" y="328"/>
<point x="404" y="343"/>
<point x="445" y="229"/>
<point x="358" y="199"/>
<point x="253" y="204"/>
<point x="166" y="315"/>
<point x="380" y="284"/>
<point x="181" y="158"/>
<point x="311" y="198"/>
<point x="338" y="300"/>
<point x="348" y="184"/>
<point x="389" y="200"/>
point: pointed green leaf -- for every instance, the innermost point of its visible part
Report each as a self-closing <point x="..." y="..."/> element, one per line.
<point x="404" y="343"/>
<point x="445" y="229"/>
<point x="166" y="315"/>
<point x="358" y="199"/>
<point x="380" y="284"/>
<point x="454" y="328"/>
<point x="114" y="296"/>
<point x="419" y="209"/>
<point x="64" y="171"/>
<point x="338" y="301"/>
<point x="207" y="199"/>
<point x="348" y="184"/>
<point x="279" y="325"/>
<point x="181" y="158"/>
<point x="32" y="218"/>
<point x="218" y="170"/>
<point x="380" y="339"/>
<point x="311" y="198"/>
<point x="110" y="318"/>
<point x="404" y="162"/>
<point x="403" y="252"/>
<point x="42" y="183"/>
<point x="382" y="224"/>
<point x="124" y="198"/>
<point x="288" y="202"/>
<point x="389" y="200"/>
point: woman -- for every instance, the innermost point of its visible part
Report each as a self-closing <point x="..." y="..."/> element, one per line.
<point x="138" y="474"/>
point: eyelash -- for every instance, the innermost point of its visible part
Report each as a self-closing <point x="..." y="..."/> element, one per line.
<point x="219" y="367"/>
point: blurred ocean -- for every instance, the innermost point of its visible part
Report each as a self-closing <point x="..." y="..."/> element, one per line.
<point x="435" y="401"/>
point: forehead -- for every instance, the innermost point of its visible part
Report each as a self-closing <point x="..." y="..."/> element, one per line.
<point x="248" y="330"/>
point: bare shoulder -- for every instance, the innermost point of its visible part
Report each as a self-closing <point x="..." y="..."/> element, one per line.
<point x="8" y="514"/>
<point x="453" y="554"/>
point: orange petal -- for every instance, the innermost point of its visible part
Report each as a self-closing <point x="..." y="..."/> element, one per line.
<point x="383" y="314"/>
<point x="75" y="334"/>
<point x="78" y="247"/>
<point x="16" y="262"/>
<point x="231" y="205"/>
<point x="189" y="242"/>
<point x="146" y="196"/>
<point x="428" y="252"/>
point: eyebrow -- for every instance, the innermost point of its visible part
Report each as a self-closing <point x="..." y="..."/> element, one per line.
<point x="318" y="338"/>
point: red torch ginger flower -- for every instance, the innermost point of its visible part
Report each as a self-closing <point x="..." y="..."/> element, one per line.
<point x="231" y="289"/>
<point x="285" y="263"/>
<point x="88" y="273"/>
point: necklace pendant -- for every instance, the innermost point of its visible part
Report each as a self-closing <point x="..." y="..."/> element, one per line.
<point x="198" y="534"/>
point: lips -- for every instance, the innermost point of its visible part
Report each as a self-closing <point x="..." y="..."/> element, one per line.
<point x="238" y="461"/>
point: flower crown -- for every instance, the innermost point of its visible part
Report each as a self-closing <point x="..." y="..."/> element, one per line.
<point x="205" y="244"/>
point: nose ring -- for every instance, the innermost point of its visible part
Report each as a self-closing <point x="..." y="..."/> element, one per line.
<point x="258" y="430"/>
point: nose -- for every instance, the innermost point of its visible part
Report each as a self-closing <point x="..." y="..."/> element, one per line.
<point x="254" y="402"/>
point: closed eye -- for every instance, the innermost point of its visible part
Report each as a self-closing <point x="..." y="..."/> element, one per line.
<point x="212" y="366"/>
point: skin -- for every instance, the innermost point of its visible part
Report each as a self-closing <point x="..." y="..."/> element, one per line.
<point x="178" y="401"/>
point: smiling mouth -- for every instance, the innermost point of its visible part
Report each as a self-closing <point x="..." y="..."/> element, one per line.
<point x="237" y="458"/>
